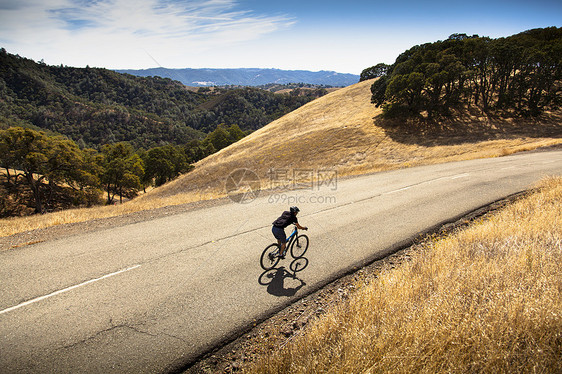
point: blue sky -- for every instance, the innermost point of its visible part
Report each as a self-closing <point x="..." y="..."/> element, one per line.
<point x="344" y="36"/>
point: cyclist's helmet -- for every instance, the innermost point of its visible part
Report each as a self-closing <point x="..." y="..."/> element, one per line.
<point x="295" y="209"/>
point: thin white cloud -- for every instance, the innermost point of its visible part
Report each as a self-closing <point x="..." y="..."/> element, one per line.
<point x="94" y="32"/>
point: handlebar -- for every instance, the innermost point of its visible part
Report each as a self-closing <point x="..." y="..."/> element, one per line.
<point x="305" y="228"/>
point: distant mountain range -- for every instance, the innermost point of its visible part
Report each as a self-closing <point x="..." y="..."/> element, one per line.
<point x="247" y="77"/>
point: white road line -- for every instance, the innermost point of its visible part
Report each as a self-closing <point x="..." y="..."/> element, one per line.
<point x="66" y="289"/>
<point x="428" y="182"/>
<point x="401" y="189"/>
<point x="460" y="176"/>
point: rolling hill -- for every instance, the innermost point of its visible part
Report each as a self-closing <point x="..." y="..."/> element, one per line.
<point x="343" y="132"/>
<point x="95" y="106"/>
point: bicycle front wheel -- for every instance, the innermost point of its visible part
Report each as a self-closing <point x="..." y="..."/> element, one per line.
<point x="299" y="246"/>
<point x="269" y="257"/>
<point x="298" y="264"/>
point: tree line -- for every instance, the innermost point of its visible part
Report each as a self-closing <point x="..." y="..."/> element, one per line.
<point x="54" y="168"/>
<point x="517" y="75"/>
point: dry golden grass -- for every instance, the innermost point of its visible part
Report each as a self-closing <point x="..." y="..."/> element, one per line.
<point x="343" y="131"/>
<point x="340" y="131"/>
<point x="486" y="299"/>
<point x="11" y="226"/>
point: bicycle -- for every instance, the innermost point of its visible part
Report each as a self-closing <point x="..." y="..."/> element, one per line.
<point x="297" y="244"/>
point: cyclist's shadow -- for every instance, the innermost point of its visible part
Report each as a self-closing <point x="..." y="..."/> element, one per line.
<point x="280" y="282"/>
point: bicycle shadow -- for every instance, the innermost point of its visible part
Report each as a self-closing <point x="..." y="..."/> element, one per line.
<point x="281" y="282"/>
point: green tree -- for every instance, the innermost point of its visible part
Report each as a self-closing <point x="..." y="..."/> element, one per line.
<point x="374" y="72"/>
<point x="404" y="91"/>
<point x="222" y="137"/>
<point x="162" y="164"/>
<point x="219" y="138"/>
<point x="196" y="150"/>
<point x="378" y="90"/>
<point x="123" y="170"/>
<point x="39" y="158"/>
<point x="519" y="74"/>
<point x="235" y="133"/>
<point x="89" y="183"/>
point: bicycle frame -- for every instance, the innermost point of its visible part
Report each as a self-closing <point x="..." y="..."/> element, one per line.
<point x="292" y="236"/>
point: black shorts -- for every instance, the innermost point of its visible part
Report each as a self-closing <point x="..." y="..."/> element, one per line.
<point x="279" y="233"/>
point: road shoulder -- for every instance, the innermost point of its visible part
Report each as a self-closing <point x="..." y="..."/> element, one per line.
<point x="71" y="229"/>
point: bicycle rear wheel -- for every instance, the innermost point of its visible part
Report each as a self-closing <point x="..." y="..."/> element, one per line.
<point x="299" y="246"/>
<point x="269" y="257"/>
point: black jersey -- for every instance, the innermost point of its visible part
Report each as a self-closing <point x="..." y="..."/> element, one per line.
<point x="285" y="220"/>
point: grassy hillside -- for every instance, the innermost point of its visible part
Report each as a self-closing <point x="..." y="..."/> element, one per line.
<point x="484" y="300"/>
<point x="344" y="131"/>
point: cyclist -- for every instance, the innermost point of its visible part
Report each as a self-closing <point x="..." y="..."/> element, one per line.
<point x="278" y="229"/>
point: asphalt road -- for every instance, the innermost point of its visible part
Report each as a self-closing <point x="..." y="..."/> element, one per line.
<point x="152" y="296"/>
